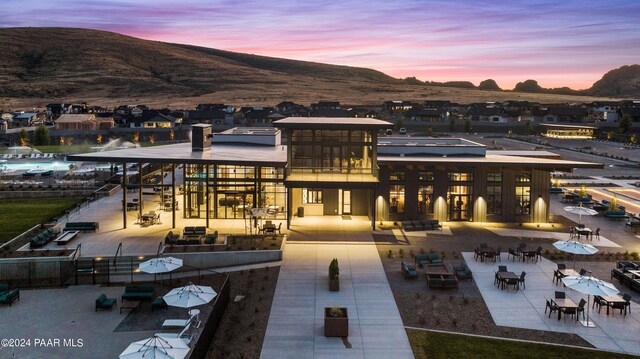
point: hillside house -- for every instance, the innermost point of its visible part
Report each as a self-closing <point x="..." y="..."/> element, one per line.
<point x="83" y="122"/>
<point x="24" y="119"/>
<point x="422" y="114"/>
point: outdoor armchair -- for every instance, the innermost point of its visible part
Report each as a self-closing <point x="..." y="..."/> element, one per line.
<point x="105" y="303"/>
<point x="551" y="307"/>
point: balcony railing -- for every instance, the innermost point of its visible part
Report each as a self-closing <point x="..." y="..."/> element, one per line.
<point x="331" y="174"/>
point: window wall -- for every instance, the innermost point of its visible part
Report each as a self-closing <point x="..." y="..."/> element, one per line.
<point x="494" y="193"/>
<point x="342" y="151"/>
<point x="425" y="199"/>
<point x="523" y="193"/>
<point x="396" y="196"/>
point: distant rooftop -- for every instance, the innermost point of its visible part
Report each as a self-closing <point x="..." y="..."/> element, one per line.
<point x="429" y="146"/>
<point x="262" y="136"/>
<point x="345" y="123"/>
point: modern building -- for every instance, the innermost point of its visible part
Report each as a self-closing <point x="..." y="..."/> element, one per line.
<point x="569" y="131"/>
<point x="339" y="167"/>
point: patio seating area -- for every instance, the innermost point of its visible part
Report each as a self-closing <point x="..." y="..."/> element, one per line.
<point x="538" y="307"/>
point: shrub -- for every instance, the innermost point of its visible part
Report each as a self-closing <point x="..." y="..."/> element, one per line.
<point x="334" y="269"/>
<point x="401" y="253"/>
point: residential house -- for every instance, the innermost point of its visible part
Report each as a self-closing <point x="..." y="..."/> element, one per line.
<point x="398" y="105"/>
<point x="423" y="114"/>
<point x="214" y="117"/>
<point x="330" y="105"/>
<point x="155" y="119"/>
<point x="556" y="114"/>
<point x="84" y="122"/>
<point x="292" y="109"/>
<point x="486" y="112"/>
<point x="633" y="111"/>
<point x="24" y="119"/>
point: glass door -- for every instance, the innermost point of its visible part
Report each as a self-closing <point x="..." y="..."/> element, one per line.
<point x="459" y="207"/>
<point x="346" y="202"/>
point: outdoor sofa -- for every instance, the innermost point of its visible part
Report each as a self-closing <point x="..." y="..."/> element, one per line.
<point x="10" y="296"/>
<point x="81" y="226"/>
<point x="442" y="281"/>
<point x="426" y="258"/>
<point x="41" y="239"/>
<point x="617" y="214"/>
<point x="462" y="271"/>
<point x="138" y="292"/>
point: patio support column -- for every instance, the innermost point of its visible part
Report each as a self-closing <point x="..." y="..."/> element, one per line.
<point x="140" y="204"/>
<point x="162" y="186"/>
<point x="372" y="204"/>
<point x="289" y="197"/>
<point x="206" y="193"/>
<point x="124" y="195"/>
<point x="173" y="195"/>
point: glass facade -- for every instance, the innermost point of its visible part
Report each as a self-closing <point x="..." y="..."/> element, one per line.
<point x="425" y="199"/>
<point x="230" y="191"/>
<point x="523" y="193"/>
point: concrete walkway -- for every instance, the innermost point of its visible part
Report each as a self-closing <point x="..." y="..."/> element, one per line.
<point x="296" y="322"/>
<point x="526" y="307"/>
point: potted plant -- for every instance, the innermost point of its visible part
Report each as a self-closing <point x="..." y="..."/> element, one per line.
<point x="334" y="275"/>
<point x="336" y="322"/>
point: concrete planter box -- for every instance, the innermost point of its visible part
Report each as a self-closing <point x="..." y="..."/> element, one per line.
<point x="334" y="284"/>
<point x="336" y="326"/>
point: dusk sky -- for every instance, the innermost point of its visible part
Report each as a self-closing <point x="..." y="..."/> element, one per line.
<point x="558" y="43"/>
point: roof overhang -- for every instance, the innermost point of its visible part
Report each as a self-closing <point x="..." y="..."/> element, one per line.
<point x="332" y="123"/>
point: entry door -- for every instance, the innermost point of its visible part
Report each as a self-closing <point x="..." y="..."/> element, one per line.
<point x="459" y="207"/>
<point x="346" y="202"/>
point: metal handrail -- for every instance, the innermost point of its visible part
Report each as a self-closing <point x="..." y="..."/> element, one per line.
<point x="78" y="252"/>
<point x="115" y="258"/>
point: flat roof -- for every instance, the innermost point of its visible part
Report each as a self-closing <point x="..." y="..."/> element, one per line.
<point x="525" y="153"/>
<point x="553" y="125"/>
<point x="232" y="154"/>
<point x="488" y="160"/>
<point x="347" y="123"/>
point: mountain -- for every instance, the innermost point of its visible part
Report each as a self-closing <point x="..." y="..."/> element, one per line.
<point x="54" y="62"/>
<point x="40" y="65"/>
<point x="621" y="82"/>
<point x="489" y="84"/>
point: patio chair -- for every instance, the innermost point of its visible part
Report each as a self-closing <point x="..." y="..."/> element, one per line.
<point x="512" y="281"/>
<point x="562" y="266"/>
<point x="105" y="303"/>
<point x="476" y="253"/>
<point x="569" y="311"/>
<point x="581" y="226"/>
<point x="596" y="233"/>
<point x="560" y="295"/>
<point x="572" y="233"/>
<point x="483" y="245"/>
<point x="627" y="301"/>
<point x="583" y="271"/>
<point x="581" y="308"/>
<point x="497" y="280"/>
<point x="538" y="254"/>
<point x="513" y="254"/>
<point x="552" y="307"/>
<point x="502" y="269"/>
<point x="498" y="254"/>
<point x="597" y="300"/>
<point x="490" y="255"/>
<point x="618" y="305"/>
<point x="279" y="229"/>
<point x="521" y="280"/>
<point x="531" y="255"/>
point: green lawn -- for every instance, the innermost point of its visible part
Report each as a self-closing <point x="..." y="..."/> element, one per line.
<point x="18" y="215"/>
<point x="427" y="344"/>
<point x="65" y="149"/>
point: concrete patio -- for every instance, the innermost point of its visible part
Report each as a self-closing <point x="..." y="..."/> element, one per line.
<point x="525" y="308"/>
<point x="295" y="328"/>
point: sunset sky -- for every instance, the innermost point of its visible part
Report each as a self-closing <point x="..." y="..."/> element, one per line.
<point x="558" y="43"/>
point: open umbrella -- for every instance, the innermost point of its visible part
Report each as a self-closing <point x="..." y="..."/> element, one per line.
<point x="575" y="247"/>
<point x="156" y="347"/>
<point x="189" y="296"/>
<point x="160" y="265"/>
<point x="580" y="210"/>
<point x="589" y="285"/>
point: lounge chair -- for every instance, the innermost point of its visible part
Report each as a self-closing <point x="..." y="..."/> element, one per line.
<point x="105" y="303"/>
<point x="408" y="270"/>
<point x="10" y="297"/>
<point x="186" y="337"/>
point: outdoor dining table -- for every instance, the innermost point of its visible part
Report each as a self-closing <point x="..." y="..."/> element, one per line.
<point x="584" y="231"/>
<point x="150" y="217"/>
<point x="524" y="254"/>
<point x="506" y="276"/>
<point x="567" y="273"/>
<point x="563" y="303"/>
<point x="635" y="273"/>
<point x="484" y="251"/>
<point x="611" y="299"/>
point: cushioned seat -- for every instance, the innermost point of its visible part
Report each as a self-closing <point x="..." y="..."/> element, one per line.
<point x="105" y="303"/>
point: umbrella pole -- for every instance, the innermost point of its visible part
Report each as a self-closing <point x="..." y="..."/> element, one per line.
<point x="588" y="323"/>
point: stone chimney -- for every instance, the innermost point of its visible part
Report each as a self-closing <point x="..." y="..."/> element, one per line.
<point x="200" y="137"/>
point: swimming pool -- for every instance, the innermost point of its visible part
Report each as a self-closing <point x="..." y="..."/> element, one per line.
<point x="54" y="165"/>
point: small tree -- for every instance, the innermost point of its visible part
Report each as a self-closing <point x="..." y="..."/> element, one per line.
<point x="467" y="126"/>
<point x="633" y="139"/>
<point x="528" y="129"/>
<point x="625" y="123"/>
<point x="24" y="137"/>
<point x="583" y="191"/>
<point x="613" y="205"/>
<point x="42" y="136"/>
<point x="334" y="269"/>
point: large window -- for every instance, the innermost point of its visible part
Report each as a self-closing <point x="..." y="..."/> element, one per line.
<point x="425" y="176"/>
<point x="396" y="176"/>
<point x="523" y="200"/>
<point x="494" y="199"/>
<point x="494" y="177"/>
<point x="425" y="199"/>
<point x="311" y="196"/>
<point x="345" y="151"/>
<point x="396" y="195"/>
<point x="460" y="176"/>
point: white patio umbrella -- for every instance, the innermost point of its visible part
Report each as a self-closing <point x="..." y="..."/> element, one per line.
<point x="589" y="285"/>
<point x="156" y="347"/>
<point x="580" y="211"/>
<point x="189" y="296"/>
<point x="160" y="265"/>
<point x="575" y="247"/>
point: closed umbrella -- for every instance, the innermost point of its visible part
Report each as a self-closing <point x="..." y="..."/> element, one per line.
<point x="575" y="247"/>
<point x="580" y="211"/>
<point x="156" y="347"/>
<point x="160" y="265"/>
<point x="589" y="285"/>
<point x="189" y="296"/>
